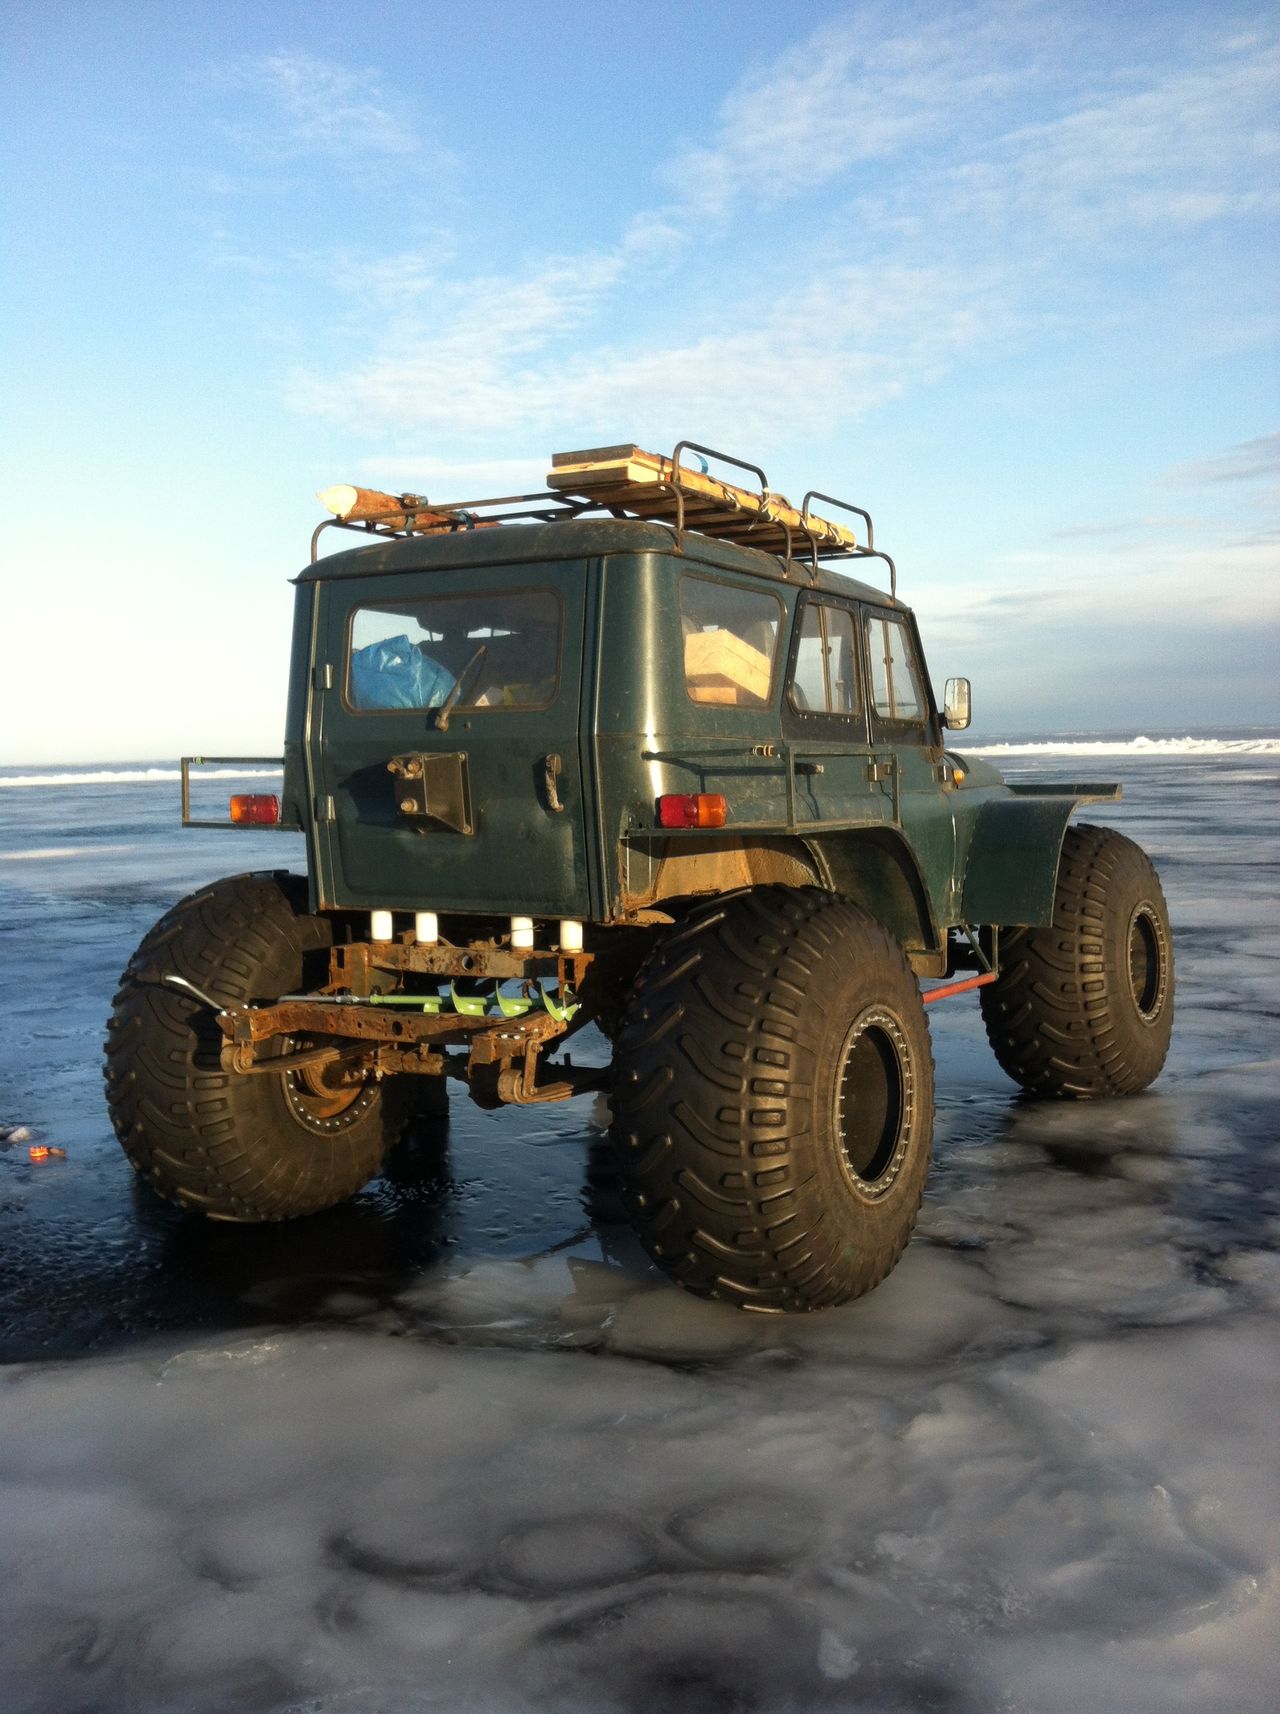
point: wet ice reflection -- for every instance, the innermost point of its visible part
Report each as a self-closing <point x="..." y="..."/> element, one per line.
<point x="1032" y="1471"/>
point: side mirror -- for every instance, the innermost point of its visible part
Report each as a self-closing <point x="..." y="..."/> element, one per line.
<point x="956" y="709"/>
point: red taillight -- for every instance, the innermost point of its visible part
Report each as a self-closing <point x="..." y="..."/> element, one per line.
<point x="255" y="809"/>
<point x="698" y="809"/>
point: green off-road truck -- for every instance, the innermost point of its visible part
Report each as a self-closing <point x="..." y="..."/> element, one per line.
<point x="640" y="752"/>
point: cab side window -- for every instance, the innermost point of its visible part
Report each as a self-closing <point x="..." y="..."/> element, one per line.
<point x="730" y="637"/>
<point x="825" y="676"/>
<point x="897" y="693"/>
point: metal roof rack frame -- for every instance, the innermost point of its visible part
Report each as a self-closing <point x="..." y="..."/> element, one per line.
<point x="735" y="516"/>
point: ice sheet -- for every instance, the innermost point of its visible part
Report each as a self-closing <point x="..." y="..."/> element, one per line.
<point x="457" y="1447"/>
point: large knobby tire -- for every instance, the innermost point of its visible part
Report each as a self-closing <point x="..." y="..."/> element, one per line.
<point x="773" y="1101"/>
<point x="235" y="1147"/>
<point x="1084" y="1008"/>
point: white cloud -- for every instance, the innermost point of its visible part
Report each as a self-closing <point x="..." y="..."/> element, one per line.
<point x="876" y="325"/>
<point x="1091" y="530"/>
<point x="1191" y="148"/>
<point x="869" y="108"/>
<point x="1250" y="461"/>
<point x="459" y="480"/>
<point x="312" y="107"/>
<point x="1120" y="594"/>
<point x="859" y="89"/>
<point x="1156" y="632"/>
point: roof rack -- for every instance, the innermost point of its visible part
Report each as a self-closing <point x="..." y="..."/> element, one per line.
<point x="627" y="482"/>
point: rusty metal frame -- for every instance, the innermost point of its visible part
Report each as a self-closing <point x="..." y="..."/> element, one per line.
<point x="384" y="1043"/>
<point x="868" y="552"/>
<point x="186" y="763"/>
<point x="347" y="1021"/>
<point x="706" y="452"/>
<point x="354" y="966"/>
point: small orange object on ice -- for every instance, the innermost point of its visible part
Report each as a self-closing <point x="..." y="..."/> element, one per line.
<point x="43" y="1152"/>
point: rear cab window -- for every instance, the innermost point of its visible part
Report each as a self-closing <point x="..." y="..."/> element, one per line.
<point x="730" y="641"/>
<point x="497" y="651"/>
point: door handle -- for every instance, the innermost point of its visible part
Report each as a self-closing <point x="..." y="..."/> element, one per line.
<point x="551" y="771"/>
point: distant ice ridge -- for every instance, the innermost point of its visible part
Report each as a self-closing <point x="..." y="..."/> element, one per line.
<point x="136" y="776"/>
<point x="1130" y="747"/>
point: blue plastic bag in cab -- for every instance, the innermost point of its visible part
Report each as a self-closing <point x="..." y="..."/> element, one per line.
<point x="396" y="674"/>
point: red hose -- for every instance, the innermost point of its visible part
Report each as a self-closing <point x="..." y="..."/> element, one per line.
<point x="953" y="988"/>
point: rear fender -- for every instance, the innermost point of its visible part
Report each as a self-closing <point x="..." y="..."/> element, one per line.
<point x="875" y="868"/>
<point x="653" y="870"/>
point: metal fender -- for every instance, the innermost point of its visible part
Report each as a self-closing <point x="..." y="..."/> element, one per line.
<point x="1012" y="865"/>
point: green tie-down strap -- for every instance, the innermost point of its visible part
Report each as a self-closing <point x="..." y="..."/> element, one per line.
<point x="481" y="1005"/>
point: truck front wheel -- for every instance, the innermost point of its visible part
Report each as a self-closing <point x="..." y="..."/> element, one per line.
<point x="234" y="1147"/>
<point x="773" y="1103"/>
<point x="1084" y="1007"/>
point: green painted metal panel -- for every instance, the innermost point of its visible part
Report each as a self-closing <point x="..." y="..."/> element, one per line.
<point x="781" y="776"/>
<point x="627" y="731"/>
<point x="1011" y="867"/>
<point x="525" y="857"/>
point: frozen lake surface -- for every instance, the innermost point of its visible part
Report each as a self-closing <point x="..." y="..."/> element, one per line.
<point x="458" y="1447"/>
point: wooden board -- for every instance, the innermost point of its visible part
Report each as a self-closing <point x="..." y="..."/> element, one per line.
<point x="640" y="484"/>
<point x="718" y="666"/>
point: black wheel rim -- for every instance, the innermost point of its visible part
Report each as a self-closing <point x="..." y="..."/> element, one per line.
<point x="321" y="1098"/>
<point x="874" y="1101"/>
<point x="1148" y="962"/>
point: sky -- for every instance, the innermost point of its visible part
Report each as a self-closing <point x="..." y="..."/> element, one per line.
<point x="1005" y="275"/>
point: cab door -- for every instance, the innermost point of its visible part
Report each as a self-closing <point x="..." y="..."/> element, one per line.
<point x="907" y="757"/>
<point x="831" y="776"/>
<point x="445" y="744"/>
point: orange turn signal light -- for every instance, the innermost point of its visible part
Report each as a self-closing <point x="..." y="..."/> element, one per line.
<point x="255" y="809"/>
<point x="697" y="809"/>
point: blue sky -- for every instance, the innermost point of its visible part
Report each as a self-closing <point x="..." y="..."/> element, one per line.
<point x="1004" y="274"/>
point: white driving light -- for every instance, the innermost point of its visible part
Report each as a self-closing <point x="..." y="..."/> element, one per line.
<point x="426" y="928"/>
<point x="522" y="934"/>
<point x="570" y="935"/>
<point x="381" y="926"/>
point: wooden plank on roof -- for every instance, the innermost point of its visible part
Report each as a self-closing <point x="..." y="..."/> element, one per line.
<point x="639" y="482"/>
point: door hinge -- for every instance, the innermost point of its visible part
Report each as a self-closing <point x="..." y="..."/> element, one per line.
<point x="882" y="768"/>
<point x="326" y="810"/>
<point x="322" y="676"/>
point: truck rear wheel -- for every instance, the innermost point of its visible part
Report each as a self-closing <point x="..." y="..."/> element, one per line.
<point x="235" y="1147"/>
<point x="773" y="1104"/>
<point x="1084" y="1008"/>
